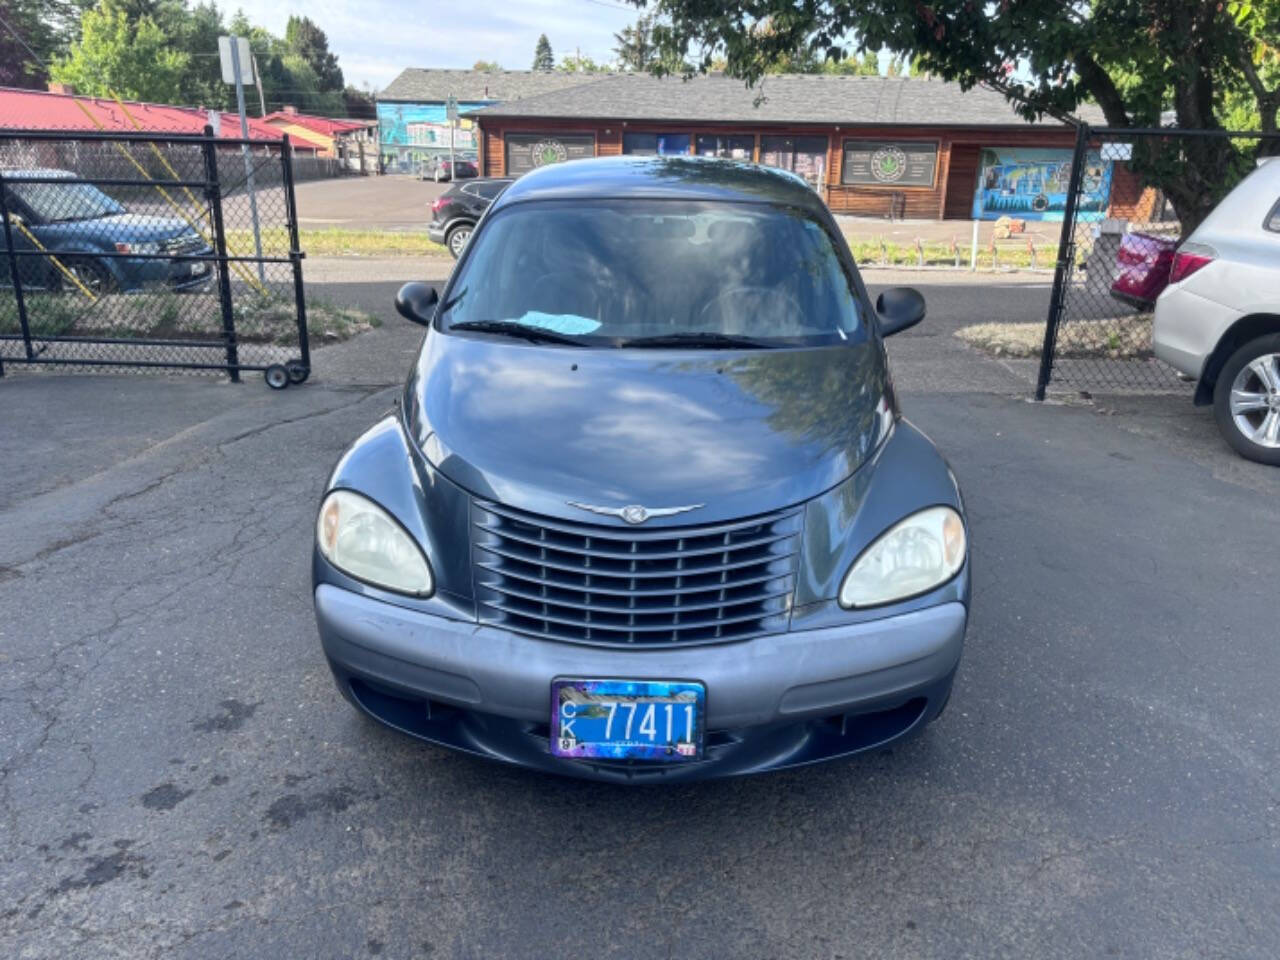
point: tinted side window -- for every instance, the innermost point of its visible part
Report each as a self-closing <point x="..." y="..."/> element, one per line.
<point x="1273" y="219"/>
<point x="489" y="190"/>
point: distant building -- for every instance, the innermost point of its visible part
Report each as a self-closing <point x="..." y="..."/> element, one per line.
<point x="62" y="109"/>
<point x="879" y="146"/>
<point x="412" y="121"/>
<point x="322" y="133"/>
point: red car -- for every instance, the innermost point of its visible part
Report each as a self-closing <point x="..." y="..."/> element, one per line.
<point x="1142" y="268"/>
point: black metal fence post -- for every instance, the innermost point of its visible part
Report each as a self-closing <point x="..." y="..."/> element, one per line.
<point x="1066" y="251"/>
<point x="214" y="193"/>
<point x="14" y="274"/>
<point x="295" y="250"/>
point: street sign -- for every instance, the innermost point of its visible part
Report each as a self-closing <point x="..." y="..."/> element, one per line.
<point x="451" y="109"/>
<point x="246" y="60"/>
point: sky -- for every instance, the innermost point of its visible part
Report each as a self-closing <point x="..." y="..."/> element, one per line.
<point x="376" y="39"/>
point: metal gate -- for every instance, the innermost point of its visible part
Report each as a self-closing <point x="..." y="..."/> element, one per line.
<point x="1120" y="228"/>
<point x="151" y="251"/>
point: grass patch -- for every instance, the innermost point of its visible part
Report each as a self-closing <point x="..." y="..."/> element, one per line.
<point x="48" y="314"/>
<point x="1118" y="338"/>
<point x="182" y="316"/>
<point x="269" y="320"/>
<point x="337" y="242"/>
<point x="1014" y="254"/>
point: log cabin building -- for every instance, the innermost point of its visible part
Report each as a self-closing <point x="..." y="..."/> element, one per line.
<point x="905" y="148"/>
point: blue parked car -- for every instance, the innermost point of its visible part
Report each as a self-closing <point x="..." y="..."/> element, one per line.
<point x="87" y="231"/>
<point x="647" y="510"/>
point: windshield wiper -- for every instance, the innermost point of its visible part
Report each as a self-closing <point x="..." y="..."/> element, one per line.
<point x="696" y="339"/>
<point x="513" y="329"/>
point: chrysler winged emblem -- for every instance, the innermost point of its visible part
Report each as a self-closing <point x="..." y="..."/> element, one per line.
<point x="634" y="513"/>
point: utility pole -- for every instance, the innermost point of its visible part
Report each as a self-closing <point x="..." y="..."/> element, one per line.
<point x="237" y="77"/>
<point x="451" y="112"/>
<point x="257" y="77"/>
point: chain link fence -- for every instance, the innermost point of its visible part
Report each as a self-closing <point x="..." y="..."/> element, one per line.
<point x="151" y="251"/>
<point x="1124" y="199"/>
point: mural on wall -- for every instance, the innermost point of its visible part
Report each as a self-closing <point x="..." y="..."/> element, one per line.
<point x="1031" y="183"/>
<point x="411" y="132"/>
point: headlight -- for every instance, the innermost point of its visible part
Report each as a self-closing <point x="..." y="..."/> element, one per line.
<point x="142" y="248"/>
<point x="359" y="538"/>
<point x="914" y="556"/>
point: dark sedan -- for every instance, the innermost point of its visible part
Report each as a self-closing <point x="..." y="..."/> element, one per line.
<point x="92" y="242"/>
<point x="648" y="510"/>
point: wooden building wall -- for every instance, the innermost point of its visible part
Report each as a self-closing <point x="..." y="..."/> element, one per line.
<point x="950" y="196"/>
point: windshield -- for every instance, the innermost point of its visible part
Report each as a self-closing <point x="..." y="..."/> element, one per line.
<point x="52" y="202"/>
<point x="617" y="273"/>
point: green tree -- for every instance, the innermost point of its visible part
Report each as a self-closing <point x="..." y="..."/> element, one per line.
<point x="197" y="36"/>
<point x="868" y="65"/>
<point x="309" y="42"/>
<point x="635" y="48"/>
<point x="359" y="104"/>
<point x="27" y="43"/>
<point x="543" y="59"/>
<point x="1133" y="58"/>
<point x="900" y="66"/>
<point x="136" y="60"/>
<point x="487" y="66"/>
<point x="581" y="63"/>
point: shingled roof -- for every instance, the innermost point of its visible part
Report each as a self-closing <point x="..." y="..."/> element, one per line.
<point x="415" y="85"/>
<point x="787" y="98"/>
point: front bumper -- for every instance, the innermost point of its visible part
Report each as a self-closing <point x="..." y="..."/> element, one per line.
<point x="177" y="275"/>
<point x="772" y="702"/>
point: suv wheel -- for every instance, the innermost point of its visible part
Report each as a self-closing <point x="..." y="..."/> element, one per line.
<point x="457" y="239"/>
<point x="1246" y="400"/>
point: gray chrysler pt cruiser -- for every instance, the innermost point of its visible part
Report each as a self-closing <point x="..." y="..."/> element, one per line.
<point x="647" y="510"/>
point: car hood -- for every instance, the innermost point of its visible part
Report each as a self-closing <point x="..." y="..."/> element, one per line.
<point x="119" y="228"/>
<point x="740" y="432"/>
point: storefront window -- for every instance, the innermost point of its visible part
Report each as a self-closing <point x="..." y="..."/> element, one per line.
<point x="806" y="156"/>
<point x="655" y="144"/>
<point x="734" y="148"/>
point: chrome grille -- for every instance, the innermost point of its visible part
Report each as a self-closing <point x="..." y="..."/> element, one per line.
<point x="590" y="583"/>
<point x="184" y="245"/>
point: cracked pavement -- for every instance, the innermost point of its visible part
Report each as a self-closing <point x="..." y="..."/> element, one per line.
<point x="179" y="777"/>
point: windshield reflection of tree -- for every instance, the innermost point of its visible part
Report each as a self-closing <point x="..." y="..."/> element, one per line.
<point x="826" y="395"/>
<point x="651" y="267"/>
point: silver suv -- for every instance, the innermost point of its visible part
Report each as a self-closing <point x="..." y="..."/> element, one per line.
<point x="1219" y="318"/>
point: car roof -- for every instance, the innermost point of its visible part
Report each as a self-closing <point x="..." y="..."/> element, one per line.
<point x="665" y="178"/>
<point x="457" y="186"/>
<point x="1246" y="207"/>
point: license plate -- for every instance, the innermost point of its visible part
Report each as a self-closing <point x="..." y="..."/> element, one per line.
<point x="658" y="720"/>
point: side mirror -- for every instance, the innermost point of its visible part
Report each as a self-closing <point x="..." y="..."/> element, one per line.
<point x="899" y="308"/>
<point x="417" y="302"/>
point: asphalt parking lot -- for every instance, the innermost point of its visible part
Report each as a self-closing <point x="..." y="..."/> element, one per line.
<point x="181" y="779"/>
<point x="369" y="203"/>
